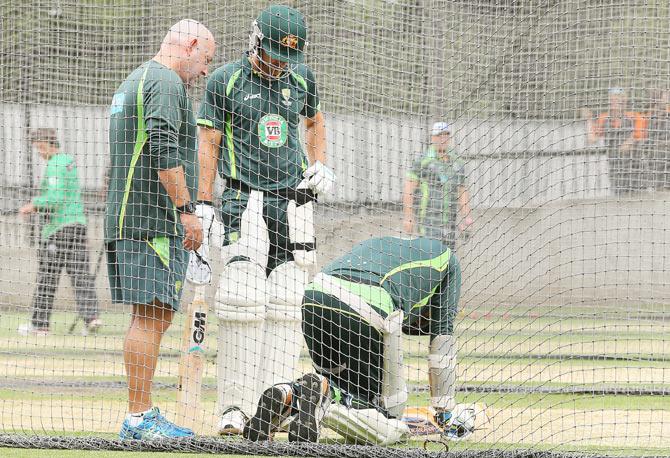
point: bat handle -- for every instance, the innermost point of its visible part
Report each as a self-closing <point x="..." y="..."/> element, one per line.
<point x="199" y="292"/>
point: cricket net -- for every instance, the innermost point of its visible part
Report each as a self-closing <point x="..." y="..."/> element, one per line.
<point x="559" y="113"/>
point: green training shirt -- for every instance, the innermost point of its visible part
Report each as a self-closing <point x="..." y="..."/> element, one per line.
<point x="152" y="128"/>
<point x="60" y="195"/>
<point x="436" y="197"/>
<point x="259" y="119"/>
<point x="410" y="270"/>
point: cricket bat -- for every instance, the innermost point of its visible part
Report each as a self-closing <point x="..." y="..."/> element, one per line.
<point x="192" y="361"/>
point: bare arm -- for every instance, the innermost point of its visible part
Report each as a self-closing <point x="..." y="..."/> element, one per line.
<point x="315" y="138"/>
<point x="208" y="155"/>
<point x="463" y="202"/>
<point x="593" y="129"/>
<point x="174" y="182"/>
<point x="408" y="204"/>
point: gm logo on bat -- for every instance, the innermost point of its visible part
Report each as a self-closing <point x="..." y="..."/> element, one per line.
<point x="198" y="335"/>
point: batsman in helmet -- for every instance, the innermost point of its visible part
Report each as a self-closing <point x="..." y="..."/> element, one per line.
<point x="249" y="133"/>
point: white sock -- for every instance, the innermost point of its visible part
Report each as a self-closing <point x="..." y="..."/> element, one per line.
<point x="135" y="419"/>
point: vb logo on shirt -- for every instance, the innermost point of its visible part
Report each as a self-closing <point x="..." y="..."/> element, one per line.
<point x="273" y="130"/>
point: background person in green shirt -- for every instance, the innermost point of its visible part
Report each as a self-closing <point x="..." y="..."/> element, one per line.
<point x="435" y="197"/>
<point x="150" y="222"/>
<point x="249" y="132"/>
<point x="63" y="241"/>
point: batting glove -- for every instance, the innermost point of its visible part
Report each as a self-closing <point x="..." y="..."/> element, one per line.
<point x="213" y="230"/>
<point x="320" y="178"/>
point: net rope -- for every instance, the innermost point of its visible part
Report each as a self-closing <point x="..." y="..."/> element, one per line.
<point x="562" y="323"/>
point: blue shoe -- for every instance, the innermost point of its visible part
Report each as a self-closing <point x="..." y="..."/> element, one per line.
<point x="154" y="426"/>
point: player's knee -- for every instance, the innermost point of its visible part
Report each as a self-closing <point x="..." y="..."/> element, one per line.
<point x="242" y="292"/>
<point x="287" y="284"/>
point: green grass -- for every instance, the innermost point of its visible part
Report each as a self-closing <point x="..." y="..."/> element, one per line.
<point x="492" y="346"/>
<point x="577" y="402"/>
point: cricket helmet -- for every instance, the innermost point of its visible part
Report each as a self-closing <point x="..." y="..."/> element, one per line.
<point x="281" y="32"/>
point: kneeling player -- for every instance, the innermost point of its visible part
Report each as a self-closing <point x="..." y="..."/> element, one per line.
<point x="354" y="314"/>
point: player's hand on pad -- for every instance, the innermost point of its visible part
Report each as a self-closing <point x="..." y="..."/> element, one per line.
<point x="320" y="178"/>
<point x="192" y="231"/>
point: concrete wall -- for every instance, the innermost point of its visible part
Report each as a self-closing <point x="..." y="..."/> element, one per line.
<point x="509" y="162"/>
<point x="545" y="229"/>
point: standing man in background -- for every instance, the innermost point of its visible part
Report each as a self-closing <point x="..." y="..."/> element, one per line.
<point x="63" y="242"/>
<point x="150" y="222"/>
<point x="249" y="131"/>
<point x="435" y="198"/>
<point x="622" y="131"/>
<point x="657" y="145"/>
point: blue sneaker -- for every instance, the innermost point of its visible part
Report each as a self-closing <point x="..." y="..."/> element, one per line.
<point x="154" y="426"/>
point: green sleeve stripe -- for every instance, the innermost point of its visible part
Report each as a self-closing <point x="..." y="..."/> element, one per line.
<point x="229" y="126"/>
<point x="425" y="197"/>
<point x="231" y="81"/>
<point x="426" y="299"/>
<point x="231" y="145"/>
<point x="300" y="80"/>
<point x="140" y="141"/>
<point x="375" y="296"/>
<point x="205" y="122"/>
<point x="440" y="263"/>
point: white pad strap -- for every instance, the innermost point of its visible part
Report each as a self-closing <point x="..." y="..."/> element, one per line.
<point x="301" y="230"/>
<point x="364" y="426"/>
<point x="442" y="372"/>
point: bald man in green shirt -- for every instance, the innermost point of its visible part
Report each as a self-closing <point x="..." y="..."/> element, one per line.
<point x="150" y="223"/>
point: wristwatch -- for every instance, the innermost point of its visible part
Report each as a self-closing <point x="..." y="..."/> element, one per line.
<point x="189" y="208"/>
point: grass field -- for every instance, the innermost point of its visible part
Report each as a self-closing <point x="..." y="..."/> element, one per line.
<point x="546" y="380"/>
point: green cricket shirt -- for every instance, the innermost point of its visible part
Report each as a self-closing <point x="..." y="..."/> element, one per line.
<point x="259" y="119"/>
<point x="152" y="128"/>
<point x="436" y="198"/>
<point x="60" y="195"/>
<point x="409" y="270"/>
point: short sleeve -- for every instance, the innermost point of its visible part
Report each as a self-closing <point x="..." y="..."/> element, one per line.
<point x="162" y="116"/>
<point x="312" y="103"/>
<point x="213" y="106"/>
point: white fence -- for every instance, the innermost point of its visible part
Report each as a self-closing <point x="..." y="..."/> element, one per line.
<point x="370" y="156"/>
